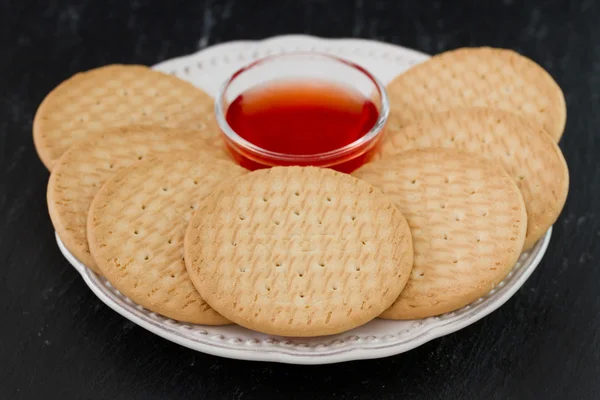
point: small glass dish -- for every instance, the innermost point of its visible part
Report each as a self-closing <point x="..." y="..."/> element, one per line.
<point x="302" y="66"/>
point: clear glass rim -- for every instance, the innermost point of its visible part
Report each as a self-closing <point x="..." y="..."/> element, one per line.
<point x="322" y="157"/>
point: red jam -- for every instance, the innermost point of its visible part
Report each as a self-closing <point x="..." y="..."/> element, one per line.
<point x="303" y="117"/>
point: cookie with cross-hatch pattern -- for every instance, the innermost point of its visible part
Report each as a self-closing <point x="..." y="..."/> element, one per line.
<point x="298" y="251"/>
<point x="82" y="170"/>
<point x="478" y="77"/>
<point x="136" y="226"/>
<point x="529" y="155"/>
<point x="467" y="220"/>
<point x="117" y="95"/>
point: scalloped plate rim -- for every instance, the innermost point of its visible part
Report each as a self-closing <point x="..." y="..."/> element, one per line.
<point x="353" y="351"/>
<point x="295" y="37"/>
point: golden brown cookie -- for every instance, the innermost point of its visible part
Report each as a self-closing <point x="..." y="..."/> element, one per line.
<point x="298" y="251"/>
<point x="82" y="170"/>
<point x="136" y="225"/>
<point x="467" y="220"/>
<point x="522" y="147"/>
<point x="478" y="77"/>
<point x="117" y="95"/>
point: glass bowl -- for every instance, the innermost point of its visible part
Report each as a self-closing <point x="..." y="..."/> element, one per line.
<point x="303" y="66"/>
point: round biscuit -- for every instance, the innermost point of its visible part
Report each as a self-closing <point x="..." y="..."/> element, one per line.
<point x="478" y="77"/>
<point x="136" y="226"/>
<point x="117" y="95"/>
<point x="82" y="170"/>
<point x="521" y="146"/>
<point x="298" y="251"/>
<point x="467" y="220"/>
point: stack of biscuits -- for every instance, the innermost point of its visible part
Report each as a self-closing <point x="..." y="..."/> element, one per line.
<point x="467" y="177"/>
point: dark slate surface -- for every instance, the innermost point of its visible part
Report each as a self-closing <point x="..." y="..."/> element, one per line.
<point x="58" y="339"/>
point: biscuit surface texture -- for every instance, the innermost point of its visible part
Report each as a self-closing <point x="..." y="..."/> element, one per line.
<point x="117" y="95"/>
<point x="522" y="147"/>
<point x="82" y="170"/>
<point x="136" y="226"/>
<point x="478" y="77"/>
<point x="467" y="219"/>
<point x="298" y="251"/>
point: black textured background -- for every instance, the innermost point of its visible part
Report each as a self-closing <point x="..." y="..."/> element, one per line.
<point x="58" y="339"/>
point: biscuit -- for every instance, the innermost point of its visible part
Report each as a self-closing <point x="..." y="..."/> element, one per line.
<point x="522" y="147"/>
<point x="467" y="220"/>
<point x="80" y="172"/>
<point x="117" y="95"/>
<point x="136" y="226"/>
<point x="298" y="251"/>
<point x="478" y="77"/>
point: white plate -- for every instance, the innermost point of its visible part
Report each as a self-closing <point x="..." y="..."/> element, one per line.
<point x="379" y="338"/>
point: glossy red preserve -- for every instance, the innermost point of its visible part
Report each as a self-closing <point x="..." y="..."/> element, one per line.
<point x="302" y="117"/>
